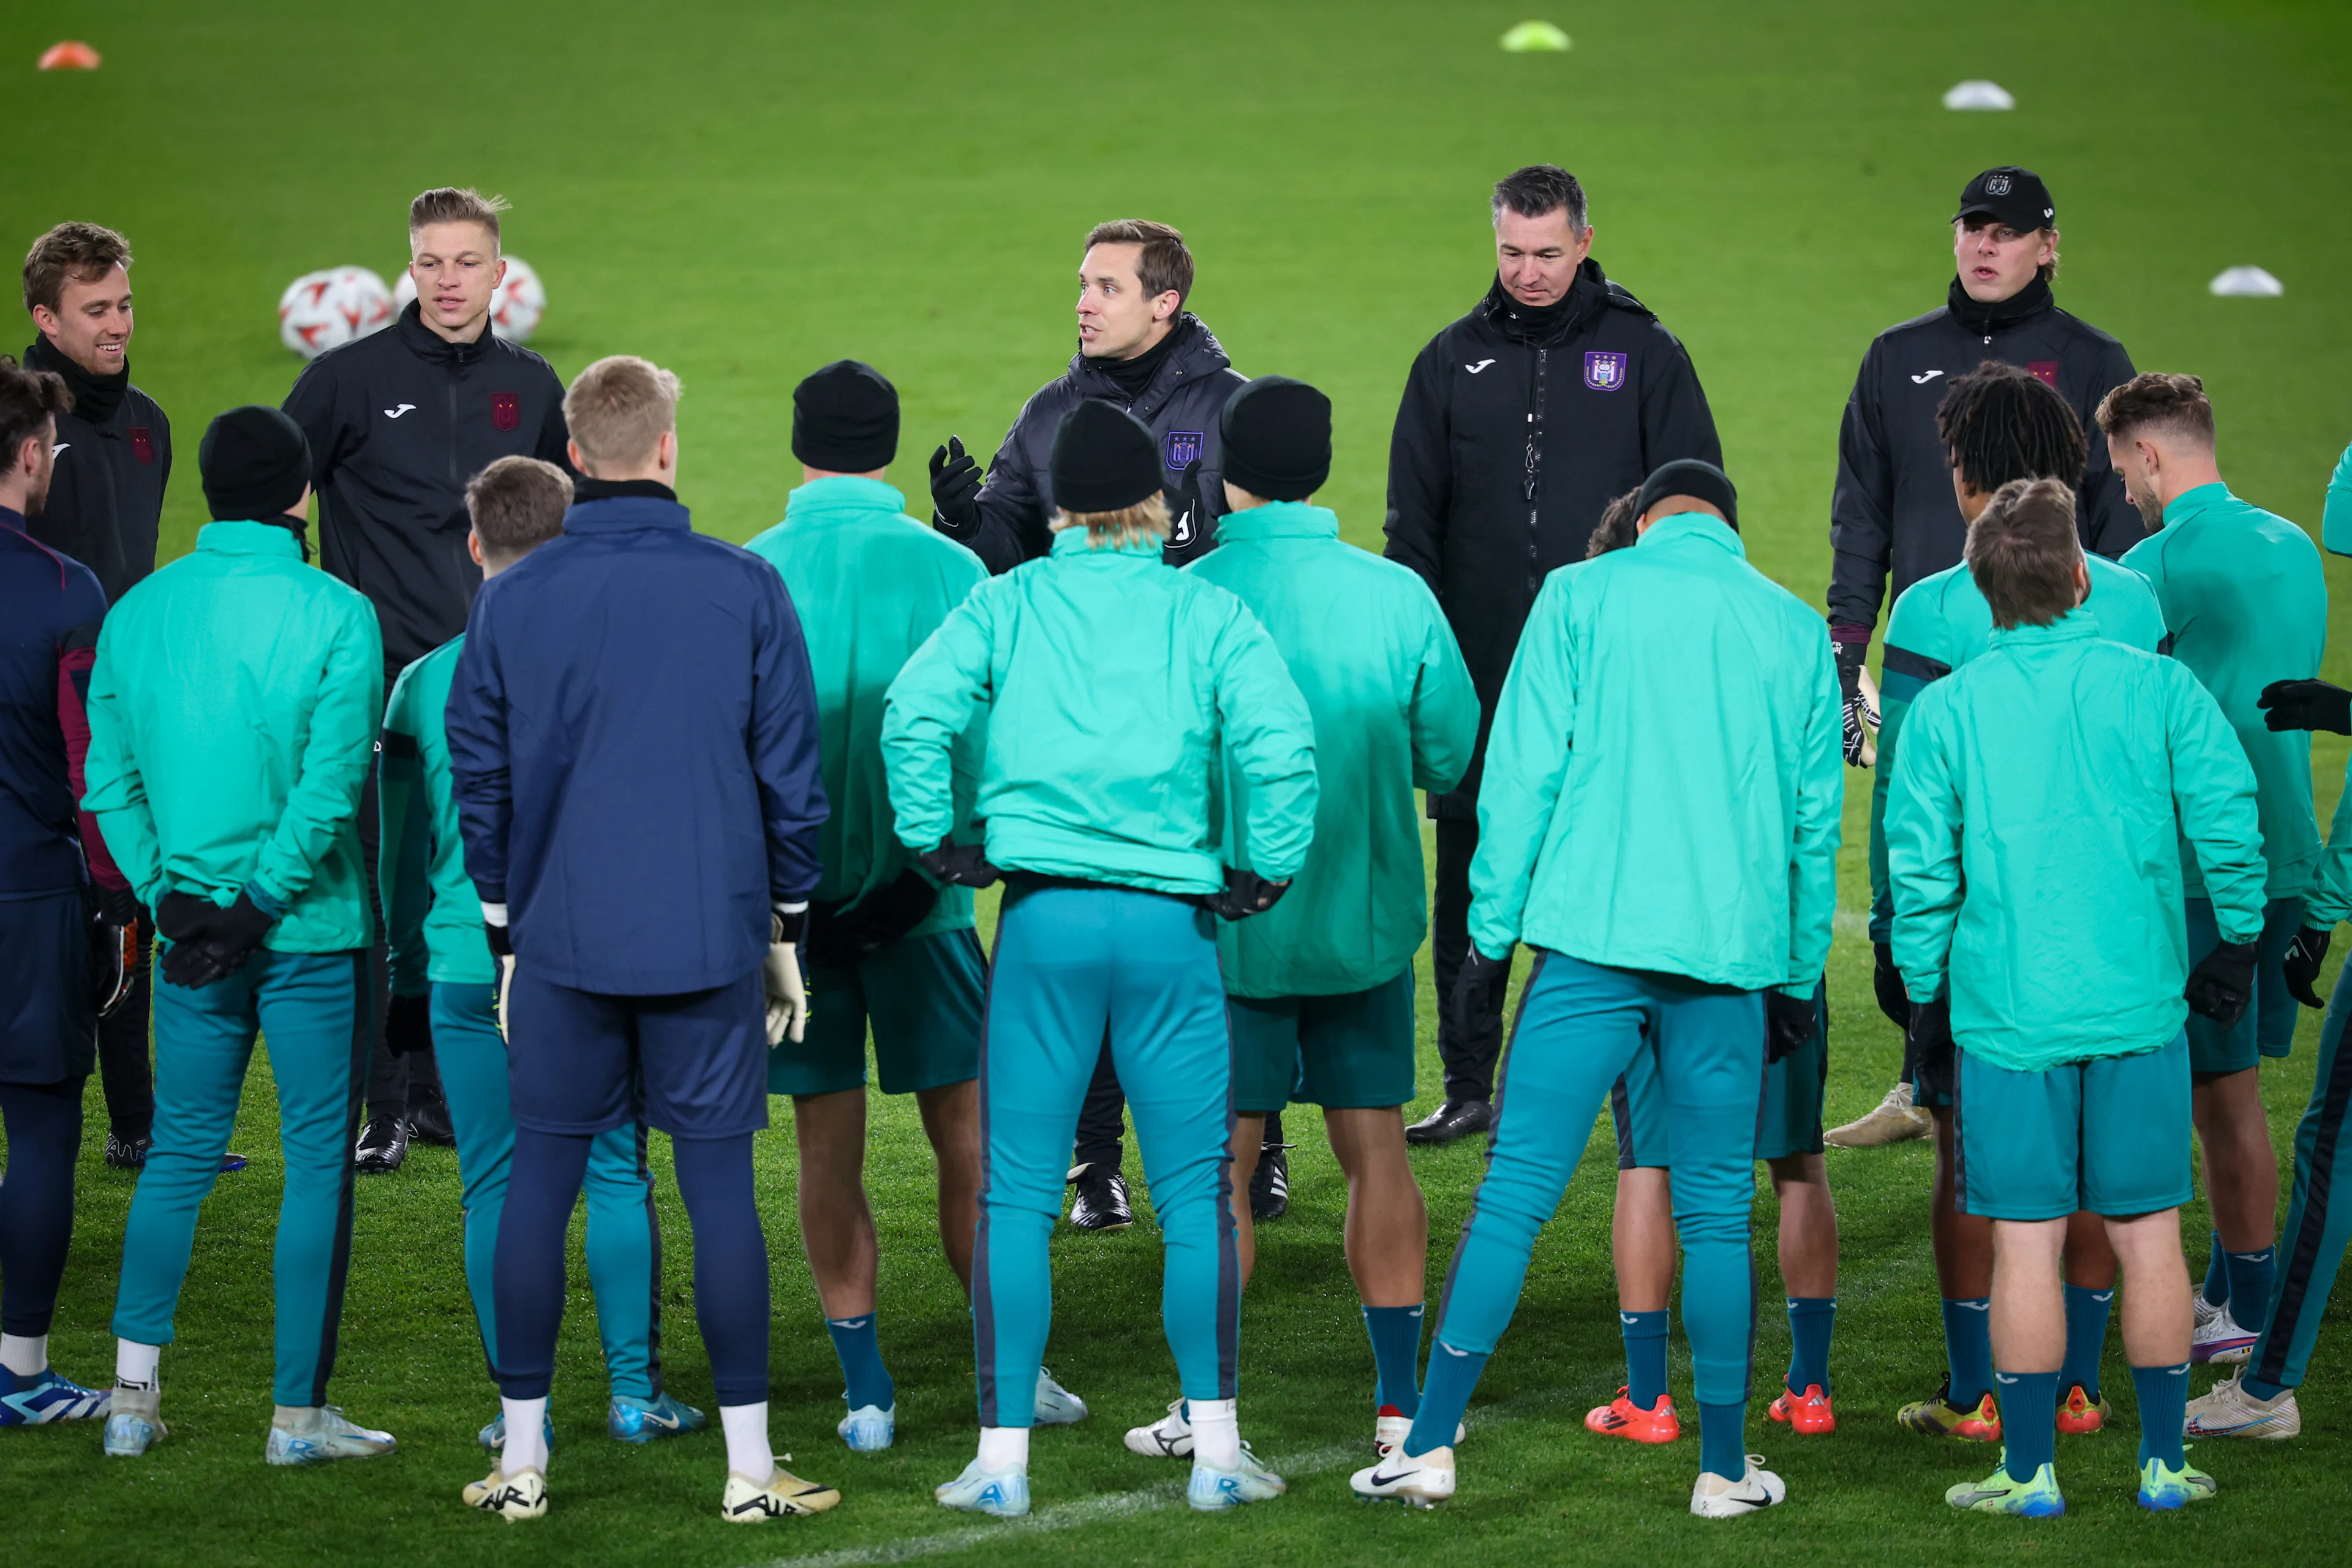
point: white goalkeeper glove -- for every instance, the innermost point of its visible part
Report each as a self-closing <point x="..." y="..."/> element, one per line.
<point x="787" y="996"/>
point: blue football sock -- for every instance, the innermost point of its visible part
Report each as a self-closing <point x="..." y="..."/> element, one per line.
<point x="1810" y="1318"/>
<point x="1723" y="1440"/>
<point x="2250" y="1275"/>
<point x="2163" y="1405"/>
<point x="2216" y="1274"/>
<point x="1645" y="1355"/>
<point x="860" y="1350"/>
<point x="2086" y="1336"/>
<point x="1396" y="1356"/>
<point x="1444" y="1395"/>
<point x="1967" y="1347"/>
<point x="2029" y="1421"/>
<point x="2256" y="1387"/>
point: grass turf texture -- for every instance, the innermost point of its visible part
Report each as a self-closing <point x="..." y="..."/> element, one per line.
<point x="745" y="192"/>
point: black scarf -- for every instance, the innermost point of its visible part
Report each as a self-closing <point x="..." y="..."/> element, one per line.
<point x="1984" y="318"/>
<point x="96" y="398"/>
<point x="1132" y="377"/>
<point x="1545" y="325"/>
<point x="586" y="490"/>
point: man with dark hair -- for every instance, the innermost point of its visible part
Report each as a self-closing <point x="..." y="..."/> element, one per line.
<point x="1518" y="422"/>
<point x="113" y="460"/>
<point x="398" y="421"/>
<point x="1139" y="350"/>
<point x="51" y="605"/>
<point x="2071" y="1084"/>
<point x="2245" y="600"/>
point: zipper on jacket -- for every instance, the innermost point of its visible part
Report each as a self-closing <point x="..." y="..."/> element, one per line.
<point x="1535" y="466"/>
<point x="454" y="477"/>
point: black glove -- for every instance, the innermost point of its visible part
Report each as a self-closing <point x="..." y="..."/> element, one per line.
<point x="1929" y="1035"/>
<point x="1187" y="518"/>
<point x="1478" y="987"/>
<point x="502" y="939"/>
<point x="216" y="945"/>
<point x="1893" y="999"/>
<point x="1789" y="1024"/>
<point x="1850" y="658"/>
<point x="2305" y="954"/>
<point x="840" y="934"/>
<point x="408" y="1024"/>
<point x="960" y="865"/>
<point x="955" y="490"/>
<point x="119" y="906"/>
<point x="2222" y="984"/>
<point x="176" y="914"/>
<point x="1247" y="893"/>
<point x="2306" y="705"/>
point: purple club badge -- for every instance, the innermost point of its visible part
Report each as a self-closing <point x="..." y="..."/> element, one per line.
<point x="1604" y="370"/>
<point x="1184" y="449"/>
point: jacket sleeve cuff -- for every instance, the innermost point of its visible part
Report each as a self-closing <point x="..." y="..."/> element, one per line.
<point x="264" y="899"/>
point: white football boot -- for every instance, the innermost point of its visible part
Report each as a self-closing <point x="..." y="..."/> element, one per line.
<point x="522" y="1495"/>
<point x="746" y="1502"/>
<point x="1004" y="1494"/>
<point x="1419" y="1480"/>
<point x="2217" y="1335"/>
<point x="1170" y="1437"/>
<point x="1212" y="1491"/>
<point x="1712" y="1497"/>
<point x="1389" y="1429"/>
<point x="2227" y="1410"/>
<point x="317" y="1433"/>
<point x="1057" y="1405"/>
<point x="1895" y="1121"/>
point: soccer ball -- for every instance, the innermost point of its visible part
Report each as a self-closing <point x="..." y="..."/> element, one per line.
<point x="514" y="314"/>
<point x="325" y="309"/>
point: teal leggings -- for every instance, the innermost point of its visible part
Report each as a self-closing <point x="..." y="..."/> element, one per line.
<point x="1073" y="966"/>
<point x="314" y="1012"/>
<point x="2318" y="1215"/>
<point x="624" y="1234"/>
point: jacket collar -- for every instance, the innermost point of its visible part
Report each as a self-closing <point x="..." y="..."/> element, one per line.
<point x="625" y="514"/>
<point x="12" y="518"/>
<point x="1196" y="358"/>
<point x="252" y="538"/>
<point x="1695" y="526"/>
<point x="1984" y="318"/>
<point x="2190" y="503"/>
<point x="1279" y="519"/>
<point x="843" y="498"/>
<point x="96" y="398"/>
<point x="1072" y="543"/>
<point x="2072" y="626"/>
<point x="1587" y="296"/>
<point x="431" y="346"/>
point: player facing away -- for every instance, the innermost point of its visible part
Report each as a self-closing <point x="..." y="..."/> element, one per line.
<point x="1320" y="989"/>
<point x="443" y="968"/>
<point x="233" y="718"/>
<point x="634" y="747"/>
<point x="2037" y="808"/>
<point x="1676" y="882"/>
<point x="50" y="860"/>
<point x="1114" y="688"/>
<point x="887" y="946"/>
<point x="1997" y="423"/>
<point x="2245" y="602"/>
<point x="1642" y="1229"/>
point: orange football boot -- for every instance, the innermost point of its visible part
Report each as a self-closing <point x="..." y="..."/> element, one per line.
<point x="1939" y="1417"/>
<point x="2080" y="1413"/>
<point x="1807" y="1413"/>
<point x="1621" y="1417"/>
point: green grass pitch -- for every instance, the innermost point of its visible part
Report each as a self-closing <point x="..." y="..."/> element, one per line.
<point x="745" y="191"/>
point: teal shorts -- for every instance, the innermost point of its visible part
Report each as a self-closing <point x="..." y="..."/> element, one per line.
<point x="2110" y="1134"/>
<point x="923" y="997"/>
<point x="1352" y="1051"/>
<point x="1788" y="1119"/>
<point x="2268" y="1028"/>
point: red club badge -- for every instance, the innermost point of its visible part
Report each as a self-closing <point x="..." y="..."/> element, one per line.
<point x="142" y="445"/>
<point x="2046" y="370"/>
<point x="506" y="410"/>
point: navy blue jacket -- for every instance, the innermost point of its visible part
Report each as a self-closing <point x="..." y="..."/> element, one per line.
<point x="632" y="736"/>
<point x="50" y="607"/>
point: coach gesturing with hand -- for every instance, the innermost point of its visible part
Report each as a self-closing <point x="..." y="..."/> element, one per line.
<point x="1519" y="422"/>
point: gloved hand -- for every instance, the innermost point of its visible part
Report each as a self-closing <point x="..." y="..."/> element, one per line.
<point x="1887" y="984"/>
<point x="213" y="945"/>
<point x="408" y="1024"/>
<point x="840" y="936"/>
<point x="955" y="490"/>
<point x="1929" y="1034"/>
<point x="1247" y="893"/>
<point x="2306" y="705"/>
<point x="1186" y="516"/>
<point x="1478" y="987"/>
<point x="959" y="865"/>
<point x="2305" y="954"/>
<point x="2222" y="984"/>
<point x="1858" y="710"/>
<point x="119" y="906"/>
<point x="781" y="972"/>
<point x="177" y="913"/>
<point x="1789" y="1024"/>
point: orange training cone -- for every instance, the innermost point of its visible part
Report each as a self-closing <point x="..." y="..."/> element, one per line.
<point x="72" y="55"/>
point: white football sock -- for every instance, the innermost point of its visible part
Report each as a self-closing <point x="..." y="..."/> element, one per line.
<point x="136" y="1365"/>
<point x="26" y="1355"/>
<point x="748" y="1453"/>
<point x="526" y="1446"/>
<point x="1004" y="1448"/>
<point x="1216" y="1434"/>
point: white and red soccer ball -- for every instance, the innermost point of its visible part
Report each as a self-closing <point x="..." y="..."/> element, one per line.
<point x="325" y="309"/>
<point x="514" y="314"/>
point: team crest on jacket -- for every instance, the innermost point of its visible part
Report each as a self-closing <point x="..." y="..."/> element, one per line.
<point x="1184" y="449"/>
<point x="2046" y="370"/>
<point x="1604" y="369"/>
<point x="142" y="445"/>
<point x="506" y="410"/>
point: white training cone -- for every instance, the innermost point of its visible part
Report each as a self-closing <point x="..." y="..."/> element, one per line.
<point x="1979" y="95"/>
<point x="2247" y="283"/>
<point x="1530" y="37"/>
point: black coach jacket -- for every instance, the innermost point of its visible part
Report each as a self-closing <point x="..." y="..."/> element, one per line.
<point x="398" y="422"/>
<point x="1893" y="509"/>
<point x="1181" y="405"/>
<point x="106" y="490"/>
<point x="1515" y="430"/>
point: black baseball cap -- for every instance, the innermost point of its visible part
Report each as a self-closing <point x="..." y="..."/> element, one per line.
<point x="2011" y="195"/>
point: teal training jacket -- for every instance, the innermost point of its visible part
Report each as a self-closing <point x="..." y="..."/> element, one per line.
<point x="432" y="913"/>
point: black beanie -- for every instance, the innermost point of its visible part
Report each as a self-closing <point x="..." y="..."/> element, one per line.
<point x="1277" y="439"/>
<point x="1689" y="477"/>
<point x="845" y="419"/>
<point x="1105" y="459"/>
<point x="254" y="462"/>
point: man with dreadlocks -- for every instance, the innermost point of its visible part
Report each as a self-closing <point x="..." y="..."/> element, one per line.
<point x="1997" y="423"/>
